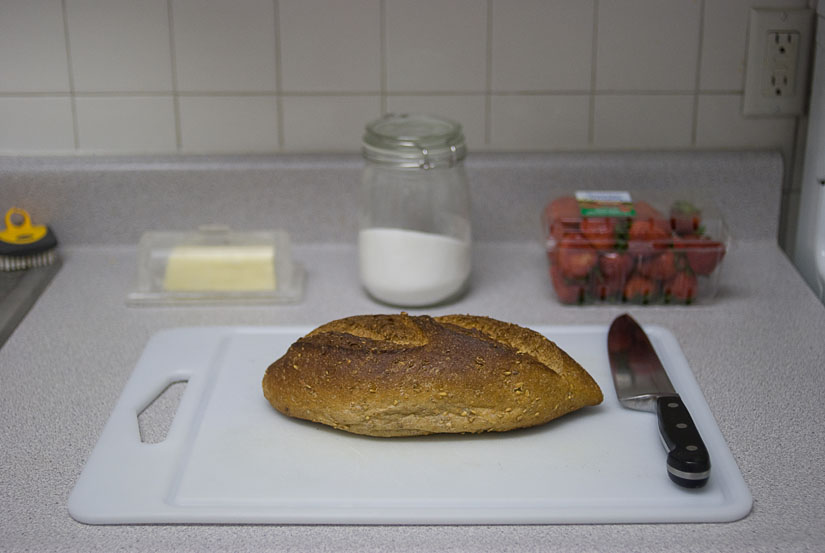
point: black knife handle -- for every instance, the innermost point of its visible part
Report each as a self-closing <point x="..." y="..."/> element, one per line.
<point x="688" y="462"/>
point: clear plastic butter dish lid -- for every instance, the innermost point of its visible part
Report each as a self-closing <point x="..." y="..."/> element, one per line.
<point x="215" y="265"/>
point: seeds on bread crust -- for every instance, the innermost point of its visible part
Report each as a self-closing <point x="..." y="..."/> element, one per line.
<point x="401" y="375"/>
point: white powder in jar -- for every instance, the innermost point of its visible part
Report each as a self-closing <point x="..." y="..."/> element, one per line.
<point x="406" y="267"/>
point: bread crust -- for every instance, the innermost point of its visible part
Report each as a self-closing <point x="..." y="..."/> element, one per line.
<point x="401" y="375"/>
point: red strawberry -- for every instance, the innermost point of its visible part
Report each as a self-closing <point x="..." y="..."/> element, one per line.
<point x="600" y="231"/>
<point x="576" y="257"/>
<point x="682" y="288"/>
<point x="651" y="230"/>
<point x="660" y="267"/>
<point x="703" y="254"/>
<point x="607" y="288"/>
<point x="639" y="289"/>
<point x="647" y="235"/>
<point x="685" y="218"/>
<point x="704" y="260"/>
<point x="563" y="216"/>
<point x="615" y="264"/>
<point x="565" y="207"/>
<point x="568" y="291"/>
<point x="614" y="267"/>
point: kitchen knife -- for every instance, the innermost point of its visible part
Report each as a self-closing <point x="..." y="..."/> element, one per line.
<point x="642" y="383"/>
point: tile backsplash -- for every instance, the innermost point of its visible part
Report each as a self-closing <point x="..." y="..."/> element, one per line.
<point x="268" y="76"/>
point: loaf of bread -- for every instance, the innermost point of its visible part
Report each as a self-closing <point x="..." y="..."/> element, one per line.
<point x="401" y="375"/>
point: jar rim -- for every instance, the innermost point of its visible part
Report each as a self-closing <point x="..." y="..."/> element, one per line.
<point x="414" y="140"/>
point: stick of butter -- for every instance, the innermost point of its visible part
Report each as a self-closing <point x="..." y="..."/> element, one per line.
<point x="220" y="268"/>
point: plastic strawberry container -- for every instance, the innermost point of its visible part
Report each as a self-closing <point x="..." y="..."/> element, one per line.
<point x="616" y="247"/>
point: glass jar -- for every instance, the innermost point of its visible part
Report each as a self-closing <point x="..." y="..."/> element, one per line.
<point x="414" y="222"/>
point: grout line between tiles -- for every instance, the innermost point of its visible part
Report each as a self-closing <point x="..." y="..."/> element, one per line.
<point x="698" y="77"/>
<point x="382" y="54"/>
<point x="122" y="93"/>
<point x="227" y="93"/>
<point x="279" y="104"/>
<point x="70" y="72"/>
<point x="488" y="79"/>
<point x="591" y="108"/>
<point x="355" y="93"/>
<point x="174" y="69"/>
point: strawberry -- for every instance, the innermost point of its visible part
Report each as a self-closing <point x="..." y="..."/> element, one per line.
<point x="639" y="289"/>
<point x="605" y="288"/>
<point x="647" y="235"/>
<point x="685" y="218"/>
<point x="660" y="267"/>
<point x="568" y="291"/>
<point x="576" y="257"/>
<point x="704" y="260"/>
<point x="563" y="216"/>
<point x="600" y="231"/>
<point x="703" y="254"/>
<point x="682" y="288"/>
<point x="615" y="264"/>
<point x="650" y="230"/>
<point x="565" y="207"/>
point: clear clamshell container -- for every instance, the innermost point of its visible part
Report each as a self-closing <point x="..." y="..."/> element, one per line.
<point x="614" y="247"/>
<point x="215" y="265"/>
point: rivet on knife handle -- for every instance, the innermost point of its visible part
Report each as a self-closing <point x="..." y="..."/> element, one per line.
<point x="688" y="462"/>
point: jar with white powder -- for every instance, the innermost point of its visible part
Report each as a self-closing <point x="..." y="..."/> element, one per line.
<point x="414" y="222"/>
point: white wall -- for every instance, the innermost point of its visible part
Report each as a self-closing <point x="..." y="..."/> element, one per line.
<point x="244" y="76"/>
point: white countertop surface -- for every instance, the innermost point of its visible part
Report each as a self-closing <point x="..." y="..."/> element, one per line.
<point x="757" y="353"/>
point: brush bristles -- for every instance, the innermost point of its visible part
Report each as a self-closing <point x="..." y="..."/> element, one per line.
<point x="22" y="262"/>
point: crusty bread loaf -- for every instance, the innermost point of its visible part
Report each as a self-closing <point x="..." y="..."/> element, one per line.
<point x="401" y="375"/>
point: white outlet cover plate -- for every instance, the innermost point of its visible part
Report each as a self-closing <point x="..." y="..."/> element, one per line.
<point x="763" y="22"/>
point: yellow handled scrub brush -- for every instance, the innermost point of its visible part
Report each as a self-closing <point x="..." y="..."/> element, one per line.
<point x="23" y="245"/>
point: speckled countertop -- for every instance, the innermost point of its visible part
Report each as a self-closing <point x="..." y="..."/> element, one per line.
<point x="757" y="351"/>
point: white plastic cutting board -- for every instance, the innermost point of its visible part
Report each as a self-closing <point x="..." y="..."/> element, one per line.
<point x="231" y="458"/>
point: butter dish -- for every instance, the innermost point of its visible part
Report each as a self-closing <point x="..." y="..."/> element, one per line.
<point x="215" y="265"/>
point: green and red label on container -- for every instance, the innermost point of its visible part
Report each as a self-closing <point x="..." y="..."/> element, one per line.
<point x="610" y="203"/>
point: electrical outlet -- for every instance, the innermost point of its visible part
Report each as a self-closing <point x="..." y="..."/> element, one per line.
<point x="780" y="67"/>
<point x="776" y="76"/>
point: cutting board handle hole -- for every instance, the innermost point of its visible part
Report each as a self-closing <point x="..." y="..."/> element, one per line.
<point x="156" y="418"/>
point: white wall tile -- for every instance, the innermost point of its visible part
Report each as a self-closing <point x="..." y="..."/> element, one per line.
<point x="327" y="123"/>
<point x="126" y="124"/>
<point x="647" y="45"/>
<point x="720" y="124"/>
<point x="528" y="122"/>
<point x="229" y="124"/>
<point x="38" y="124"/>
<point x="120" y="45"/>
<point x="724" y="41"/>
<point x="224" y="46"/>
<point x="436" y="45"/>
<point x="436" y="55"/>
<point x="643" y="121"/>
<point x="467" y="110"/>
<point x="329" y="45"/>
<point x="540" y="45"/>
<point x="32" y="47"/>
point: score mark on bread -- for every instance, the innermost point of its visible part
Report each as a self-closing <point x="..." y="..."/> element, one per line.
<point x="402" y="375"/>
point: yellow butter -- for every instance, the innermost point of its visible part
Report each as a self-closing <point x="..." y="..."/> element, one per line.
<point x="220" y="268"/>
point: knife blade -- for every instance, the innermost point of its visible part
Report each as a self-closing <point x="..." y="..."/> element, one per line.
<point x="642" y="383"/>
